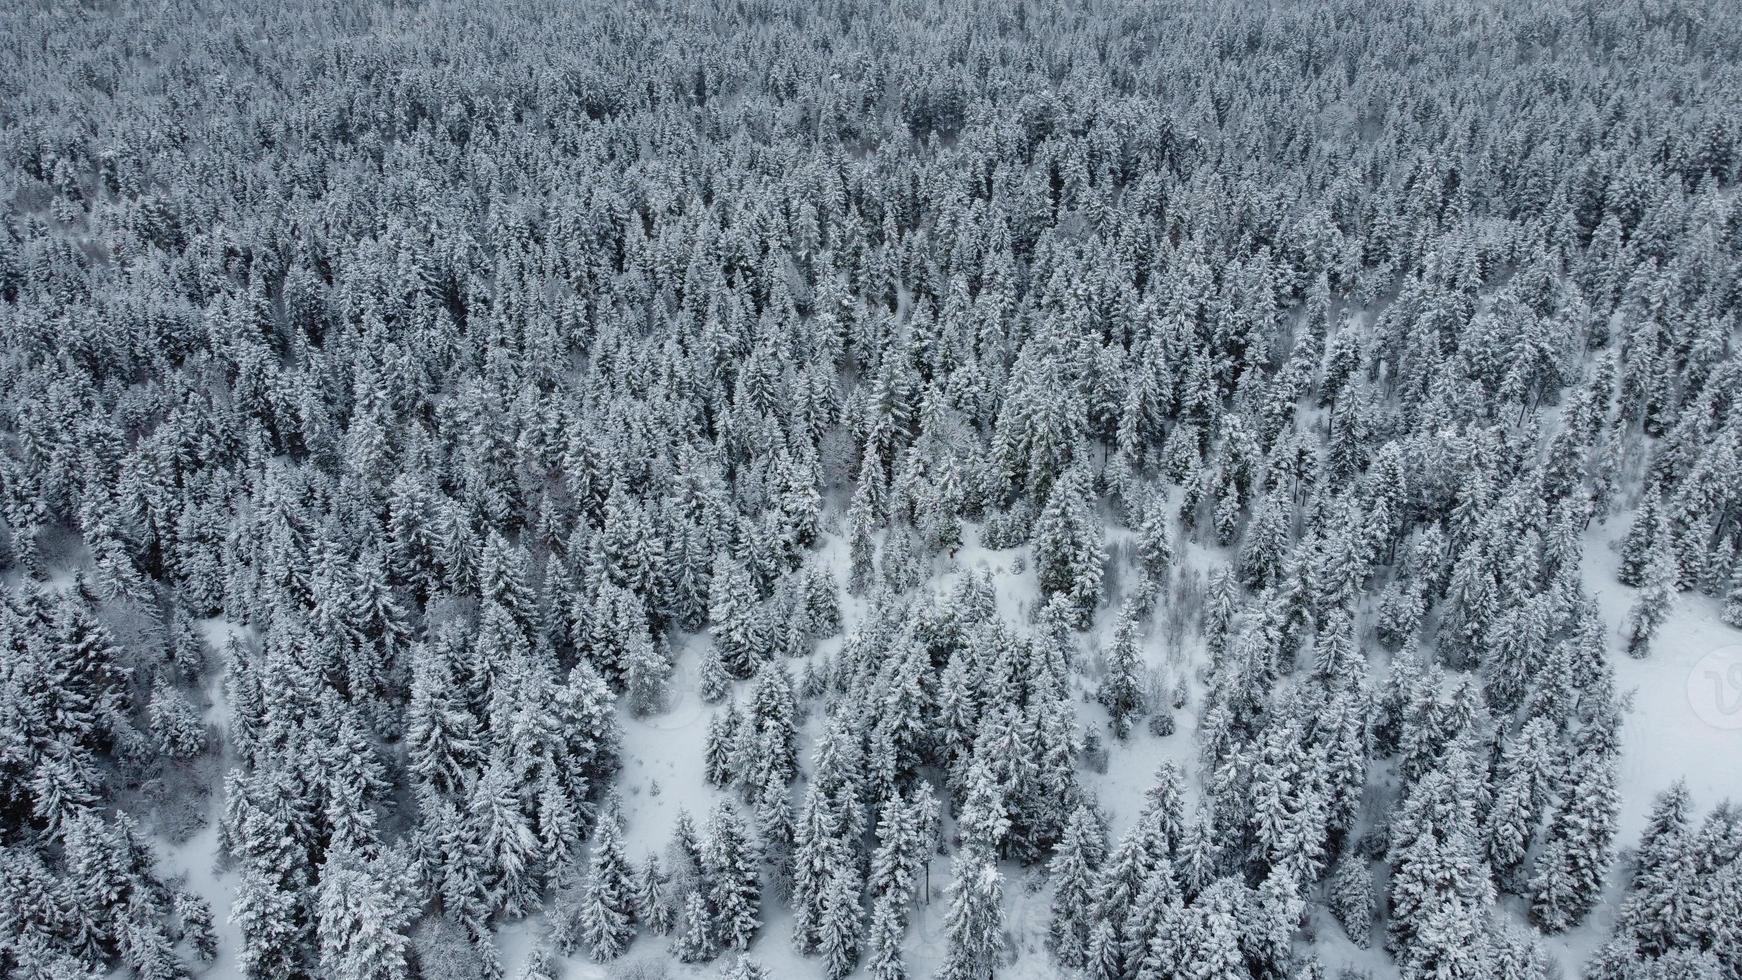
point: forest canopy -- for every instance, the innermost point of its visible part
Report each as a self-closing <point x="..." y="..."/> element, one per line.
<point x="486" y="486"/>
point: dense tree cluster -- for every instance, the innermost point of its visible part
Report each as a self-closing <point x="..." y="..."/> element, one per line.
<point x="409" y="388"/>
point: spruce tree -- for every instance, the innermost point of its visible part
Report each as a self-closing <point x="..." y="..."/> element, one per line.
<point x="695" y="932"/>
<point x="1732" y="613"/>
<point x="1120" y="691"/>
<point x="362" y="909"/>
<point x="1068" y="549"/>
<point x="888" y="929"/>
<point x="734" y="892"/>
<point x="735" y="618"/>
<point x="1656" y="594"/>
<point x="861" y="545"/>
<point x="721" y="745"/>
<point x="1074" y="864"/>
<point x="975" y="920"/>
<point x="1575" y="859"/>
<point x="1352" y="899"/>
<point x="745" y="968"/>
<point x="713" y="681"/>
<point x="839" y="931"/>
<point x="653" y="906"/>
<point x="607" y="907"/>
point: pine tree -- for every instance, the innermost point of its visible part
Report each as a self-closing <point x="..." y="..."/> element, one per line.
<point x="695" y="936"/>
<point x="174" y="722"/>
<point x="822" y="611"/>
<point x="607" y="908"/>
<point x="646" y="671"/>
<point x="734" y="886"/>
<point x="269" y="831"/>
<point x="541" y="964"/>
<point x="1439" y="885"/>
<point x="768" y="737"/>
<point x="1521" y="795"/>
<point x="362" y="912"/>
<point x="1352" y="899"/>
<point x="1644" y="540"/>
<point x="1120" y="691"/>
<point x="888" y="929"/>
<point x="455" y="862"/>
<point x="1401" y="607"/>
<point x="505" y="836"/>
<point x="1068" y="549"/>
<point x="900" y="853"/>
<point x="1732" y="614"/>
<point x="1570" y="872"/>
<point x="1155" y="548"/>
<point x="195" y="914"/>
<point x="819" y="848"/>
<point x="861" y="545"/>
<point x="735" y="618"/>
<point x="721" y="745"/>
<point x="840" y="926"/>
<point x="713" y="682"/>
<point x="975" y="920"/>
<point x="1221" y="607"/>
<point x="1106" y="955"/>
<point x="1664" y="905"/>
<point x="557" y="822"/>
<point x="745" y="968"/>
<point x="1149" y="916"/>
<point x="652" y="905"/>
<point x="1265" y="544"/>
<point x="1655" y="596"/>
<point x="1074" y="864"/>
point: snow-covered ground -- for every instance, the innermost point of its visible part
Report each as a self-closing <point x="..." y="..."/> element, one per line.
<point x="1684" y="722"/>
<point x="1684" y="719"/>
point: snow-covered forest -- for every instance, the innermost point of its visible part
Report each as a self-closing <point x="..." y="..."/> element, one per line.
<point x="525" y="489"/>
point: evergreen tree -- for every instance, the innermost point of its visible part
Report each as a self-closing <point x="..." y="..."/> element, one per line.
<point x="1656" y="594"/>
<point x="888" y="928"/>
<point x="195" y="914"/>
<point x="861" y="545"/>
<point x="1439" y="886"/>
<point x="607" y="908"/>
<point x="735" y="618"/>
<point x="1644" y="539"/>
<point x="745" y="968"/>
<point x="975" y="920"/>
<point x="1732" y="614"/>
<point x="695" y="935"/>
<point x="496" y="820"/>
<point x="362" y="912"/>
<point x="653" y="906"/>
<point x="1068" y="549"/>
<point x="735" y="889"/>
<point x="1265" y="544"/>
<point x="1075" y="862"/>
<point x="175" y="722"/>
<point x="721" y="745"/>
<point x="441" y="737"/>
<point x="646" y="670"/>
<point x="1155" y="549"/>
<point x="840" y="926"/>
<point x="1120" y="691"/>
<point x="713" y="681"/>
<point x="1575" y="858"/>
<point x="820" y="848"/>
<point x="540" y="965"/>
<point x="1352" y="899"/>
